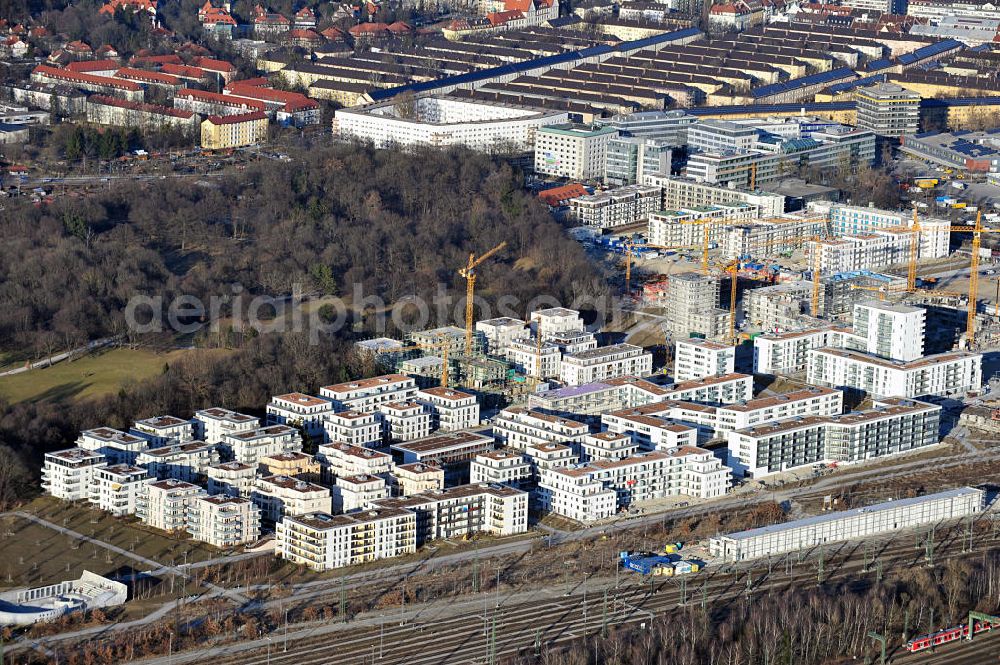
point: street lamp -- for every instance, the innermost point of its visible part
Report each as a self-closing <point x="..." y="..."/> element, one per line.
<point x="284" y="648"/>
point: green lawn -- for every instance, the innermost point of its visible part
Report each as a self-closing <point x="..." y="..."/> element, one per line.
<point x="94" y="375"/>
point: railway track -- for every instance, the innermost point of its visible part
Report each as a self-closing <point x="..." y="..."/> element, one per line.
<point x="520" y="621"/>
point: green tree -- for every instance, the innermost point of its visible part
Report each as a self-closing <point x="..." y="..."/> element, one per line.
<point x="322" y="276"/>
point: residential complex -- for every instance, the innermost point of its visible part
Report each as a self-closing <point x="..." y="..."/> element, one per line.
<point x="697" y="358"/>
<point x="572" y="151"/>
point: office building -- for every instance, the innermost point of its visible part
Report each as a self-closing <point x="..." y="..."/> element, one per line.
<point x="572" y="151"/>
<point x="668" y="126"/>
<point x="888" y="110"/>
<point x="630" y="159"/>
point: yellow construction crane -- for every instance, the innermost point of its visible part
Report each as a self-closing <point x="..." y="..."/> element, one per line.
<point x="970" y="324"/>
<point x="469" y="273"/>
<point x="706" y="227"/>
<point x="911" y="272"/>
<point x="733" y="269"/>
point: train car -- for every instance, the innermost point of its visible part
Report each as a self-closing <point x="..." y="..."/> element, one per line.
<point x="945" y="636"/>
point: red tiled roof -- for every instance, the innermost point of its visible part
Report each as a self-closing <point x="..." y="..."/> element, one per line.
<point x="213" y="65"/>
<point x="233" y="119"/>
<point x="172" y="59"/>
<point x="293" y="101"/>
<point x="368" y="28"/>
<point x="499" y="18"/>
<point x="399" y="28"/>
<point x="553" y="196"/>
<point x="217" y="98"/>
<point x="183" y="70"/>
<point x="65" y="75"/>
<point x="93" y="65"/>
<point x="147" y="76"/>
<point x="79" y="46"/>
<point x="306" y="34"/>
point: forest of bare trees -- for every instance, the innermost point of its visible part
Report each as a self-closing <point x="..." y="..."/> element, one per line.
<point x="394" y="224"/>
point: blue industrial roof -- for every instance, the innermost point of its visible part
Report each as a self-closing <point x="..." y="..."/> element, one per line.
<point x="860" y="83"/>
<point x="804" y="82"/>
<point x="929" y="51"/>
<point x="834" y="516"/>
<point x="875" y="65"/>
<point x="519" y="67"/>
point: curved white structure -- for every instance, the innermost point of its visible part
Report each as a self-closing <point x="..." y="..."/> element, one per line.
<point x="23" y="607"/>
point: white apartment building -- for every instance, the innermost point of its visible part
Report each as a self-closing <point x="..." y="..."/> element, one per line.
<point x="163" y="504"/>
<point x="727" y="389"/>
<point x="684" y="193"/>
<point x="541" y="456"/>
<point x="621" y="206"/>
<point x="649" y="430"/>
<point x="890" y="330"/>
<point x="553" y="321"/>
<point x="301" y="466"/>
<point x="574" y="341"/>
<point x="416" y="478"/>
<point x="277" y="496"/>
<point x="951" y="373"/>
<point x="342" y="459"/>
<point x="365" y="395"/>
<point x="788" y="352"/>
<point x="323" y="541"/>
<point x="647" y="424"/>
<point x="115" y="488"/>
<point x="68" y="474"/>
<point x="713" y="135"/>
<point x="356" y="492"/>
<point x="697" y="358"/>
<point x="183" y="461"/>
<point x="607" y="446"/>
<point x="223" y="521"/>
<point x="935" y="234"/>
<point x="357" y="428"/>
<point x="299" y="410"/>
<point x="116" y="446"/>
<point x="577" y="492"/>
<point x="530" y="359"/>
<point x="572" y="151"/>
<point x="443" y="121"/>
<point x="161" y="430"/>
<point x="893" y="426"/>
<point x="684" y="227"/>
<point x="232" y="479"/>
<point x="406" y="421"/>
<point x="465" y="509"/>
<point x="210" y="425"/>
<point x="872" y="251"/>
<point x="500" y="467"/>
<point x="605" y="362"/>
<point x="250" y="446"/>
<point x="500" y="332"/>
<point x="451" y="409"/>
<point x="518" y="428"/>
<point x="444" y="449"/>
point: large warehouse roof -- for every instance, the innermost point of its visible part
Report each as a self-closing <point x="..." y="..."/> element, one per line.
<point x="831" y="517"/>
